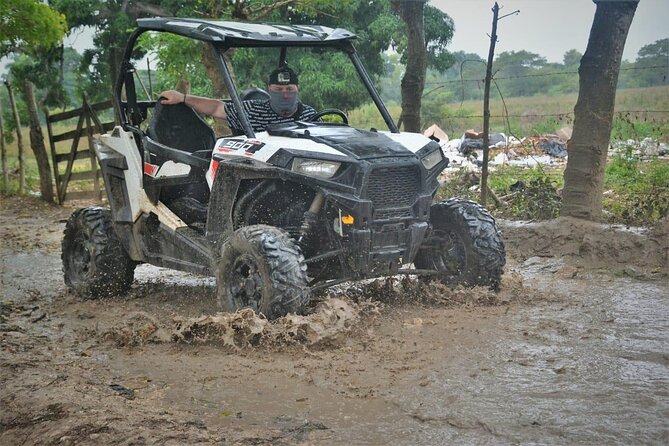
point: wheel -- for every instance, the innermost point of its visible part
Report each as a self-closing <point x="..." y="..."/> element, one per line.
<point x="262" y="268"/>
<point x="465" y="245"/>
<point x="94" y="262"/>
<point x="330" y="111"/>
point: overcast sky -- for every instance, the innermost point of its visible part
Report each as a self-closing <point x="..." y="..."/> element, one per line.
<point x="546" y="27"/>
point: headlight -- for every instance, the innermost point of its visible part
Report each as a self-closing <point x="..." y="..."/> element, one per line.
<point x="315" y="168"/>
<point x="431" y="159"/>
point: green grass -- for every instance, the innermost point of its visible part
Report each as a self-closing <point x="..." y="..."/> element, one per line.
<point x="529" y="194"/>
<point x="537" y="114"/>
<point x="30" y="164"/>
<point x="636" y="192"/>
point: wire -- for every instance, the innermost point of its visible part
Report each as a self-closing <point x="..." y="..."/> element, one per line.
<point x="554" y="114"/>
<point x="522" y="76"/>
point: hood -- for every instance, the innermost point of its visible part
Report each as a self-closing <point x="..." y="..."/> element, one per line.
<point x="356" y="143"/>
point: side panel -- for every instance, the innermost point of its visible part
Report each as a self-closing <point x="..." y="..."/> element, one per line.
<point x="162" y="242"/>
<point x="122" y="143"/>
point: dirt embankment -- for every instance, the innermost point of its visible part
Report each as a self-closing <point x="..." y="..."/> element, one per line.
<point x="591" y="246"/>
<point x="561" y="354"/>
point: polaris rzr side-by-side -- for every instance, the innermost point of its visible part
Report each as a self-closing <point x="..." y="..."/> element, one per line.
<point x="274" y="214"/>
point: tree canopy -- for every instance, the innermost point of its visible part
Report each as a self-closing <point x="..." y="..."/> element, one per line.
<point x="377" y="27"/>
<point x="28" y="24"/>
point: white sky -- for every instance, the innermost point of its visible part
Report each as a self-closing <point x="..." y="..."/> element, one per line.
<point x="546" y="27"/>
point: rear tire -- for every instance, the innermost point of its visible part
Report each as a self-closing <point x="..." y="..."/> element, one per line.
<point x="465" y="245"/>
<point x="94" y="262"/>
<point x="262" y="268"/>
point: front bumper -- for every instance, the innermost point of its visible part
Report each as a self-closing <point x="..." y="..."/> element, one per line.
<point x="380" y="252"/>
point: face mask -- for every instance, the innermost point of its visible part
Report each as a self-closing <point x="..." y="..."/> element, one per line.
<point x="283" y="104"/>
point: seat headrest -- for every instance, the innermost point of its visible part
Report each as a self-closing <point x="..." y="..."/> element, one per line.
<point x="180" y="126"/>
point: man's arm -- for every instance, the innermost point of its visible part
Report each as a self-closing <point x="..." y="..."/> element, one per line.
<point x="206" y="106"/>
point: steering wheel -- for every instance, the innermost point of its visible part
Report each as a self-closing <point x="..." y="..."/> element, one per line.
<point x="330" y="111"/>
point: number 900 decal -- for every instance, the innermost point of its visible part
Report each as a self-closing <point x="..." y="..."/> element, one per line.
<point x="248" y="146"/>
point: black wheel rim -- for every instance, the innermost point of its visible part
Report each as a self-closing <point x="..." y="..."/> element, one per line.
<point x="448" y="252"/>
<point x="245" y="284"/>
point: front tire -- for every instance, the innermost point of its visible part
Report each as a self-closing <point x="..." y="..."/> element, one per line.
<point x="94" y="262"/>
<point x="465" y="245"/>
<point x="262" y="268"/>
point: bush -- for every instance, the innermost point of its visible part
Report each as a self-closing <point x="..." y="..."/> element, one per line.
<point x="531" y="194"/>
<point x="636" y="192"/>
<point x="534" y="197"/>
<point x="462" y="184"/>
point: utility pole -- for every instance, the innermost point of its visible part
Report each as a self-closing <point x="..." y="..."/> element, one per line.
<point x="486" y="102"/>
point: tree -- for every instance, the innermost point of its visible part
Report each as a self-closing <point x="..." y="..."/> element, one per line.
<point x="572" y="58"/>
<point x="439" y="28"/>
<point x="27" y="24"/>
<point x="653" y="58"/>
<point x="593" y="113"/>
<point x="515" y="66"/>
<point x="113" y="21"/>
<point x="37" y="144"/>
<point x="413" y="82"/>
<point x="33" y="29"/>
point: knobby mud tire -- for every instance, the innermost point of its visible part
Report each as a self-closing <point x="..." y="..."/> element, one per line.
<point x="95" y="264"/>
<point x="262" y="268"/>
<point x="465" y="245"/>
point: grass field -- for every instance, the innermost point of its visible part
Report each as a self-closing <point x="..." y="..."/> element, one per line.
<point x="640" y="112"/>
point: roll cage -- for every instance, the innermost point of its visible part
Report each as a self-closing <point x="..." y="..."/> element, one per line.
<point x="223" y="35"/>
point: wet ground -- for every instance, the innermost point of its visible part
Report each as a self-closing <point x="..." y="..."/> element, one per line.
<point x="574" y="349"/>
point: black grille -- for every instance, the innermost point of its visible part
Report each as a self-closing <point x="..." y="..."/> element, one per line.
<point x="393" y="188"/>
<point x="387" y="214"/>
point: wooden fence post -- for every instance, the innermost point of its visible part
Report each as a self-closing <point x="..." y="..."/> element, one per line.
<point x="37" y="144"/>
<point x="19" y="138"/>
<point x="88" y="113"/>
<point x="3" y="151"/>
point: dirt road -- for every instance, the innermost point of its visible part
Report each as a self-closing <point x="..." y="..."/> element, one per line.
<point x="574" y="349"/>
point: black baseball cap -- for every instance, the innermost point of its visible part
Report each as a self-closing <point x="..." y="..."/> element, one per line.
<point x="283" y="76"/>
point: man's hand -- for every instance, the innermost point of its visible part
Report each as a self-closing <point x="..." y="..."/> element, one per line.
<point x="171" y="97"/>
<point x="206" y="106"/>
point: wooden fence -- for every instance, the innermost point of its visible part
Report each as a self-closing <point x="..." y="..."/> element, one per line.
<point x="64" y="170"/>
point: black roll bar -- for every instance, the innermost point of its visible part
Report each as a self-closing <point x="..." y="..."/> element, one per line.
<point x="126" y="117"/>
<point x="229" y="84"/>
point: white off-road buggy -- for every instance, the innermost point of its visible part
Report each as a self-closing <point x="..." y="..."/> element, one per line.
<point x="277" y="214"/>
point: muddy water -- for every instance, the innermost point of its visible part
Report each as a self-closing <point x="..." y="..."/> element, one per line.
<point x="587" y="366"/>
<point x="588" y="372"/>
<point x="550" y="360"/>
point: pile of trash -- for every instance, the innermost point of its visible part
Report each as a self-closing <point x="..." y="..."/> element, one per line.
<point x="548" y="149"/>
<point x="646" y="148"/>
<point x="467" y="151"/>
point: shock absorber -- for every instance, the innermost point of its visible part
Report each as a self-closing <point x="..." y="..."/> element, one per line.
<point x="311" y="216"/>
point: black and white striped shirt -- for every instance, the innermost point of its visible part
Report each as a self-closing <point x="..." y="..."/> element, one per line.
<point x="261" y="115"/>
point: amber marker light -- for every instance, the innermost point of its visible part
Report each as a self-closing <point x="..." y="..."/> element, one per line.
<point x="347" y="219"/>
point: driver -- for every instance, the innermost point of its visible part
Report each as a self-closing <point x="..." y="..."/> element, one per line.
<point x="283" y="105"/>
